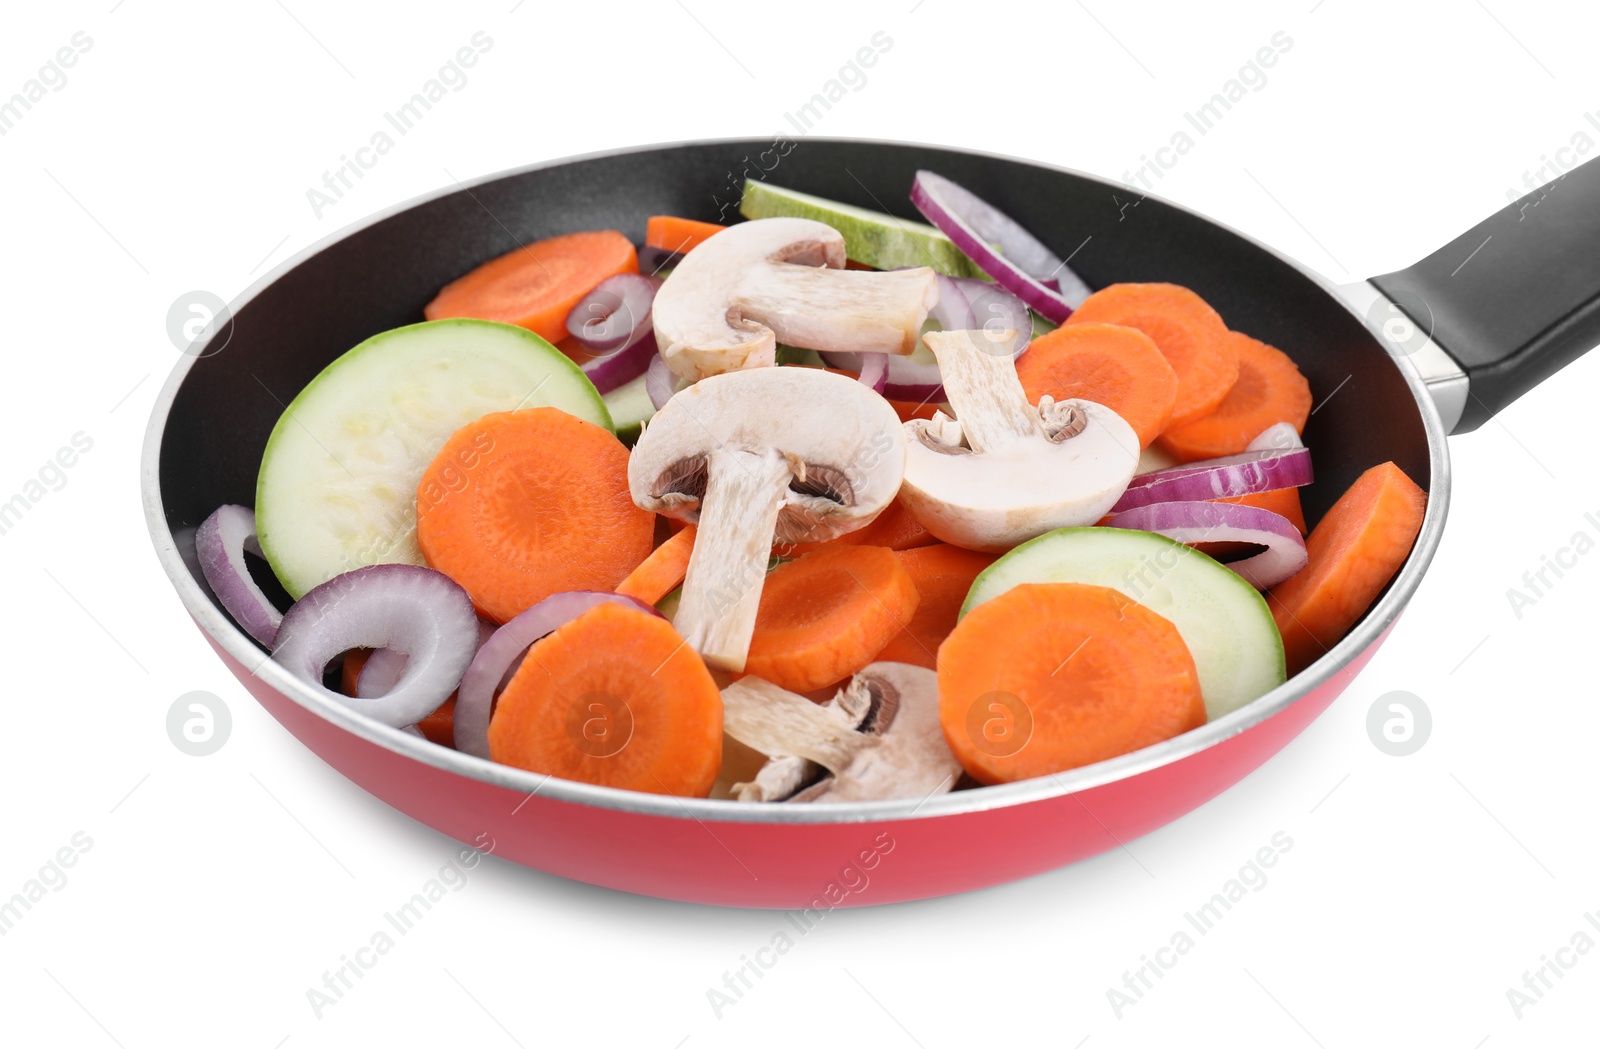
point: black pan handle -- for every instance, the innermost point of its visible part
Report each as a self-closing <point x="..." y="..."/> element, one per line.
<point x="1517" y="297"/>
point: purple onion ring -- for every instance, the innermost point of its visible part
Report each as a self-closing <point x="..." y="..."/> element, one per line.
<point x="1190" y="523"/>
<point x="416" y="611"/>
<point x="220" y="543"/>
<point x="1228" y="477"/>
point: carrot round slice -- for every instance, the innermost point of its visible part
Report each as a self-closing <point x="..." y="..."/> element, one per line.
<point x="670" y="233"/>
<point x="1109" y="364"/>
<point x="1052" y="676"/>
<point x="615" y="698"/>
<point x="943" y="574"/>
<point x="662" y="572"/>
<point x="1184" y="327"/>
<point x="823" y="617"/>
<point x="1355" y="550"/>
<point x="538" y="284"/>
<point x="521" y="505"/>
<point x="1270" y="390"/>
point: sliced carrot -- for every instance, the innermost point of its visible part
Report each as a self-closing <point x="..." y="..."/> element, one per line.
<point x="1109" y="364"/>
<point x="1188" y="332"/>
<point x="908" y="410"/>
<point x="616" y="698"/>
<point x="894" y="528"/>
<point x="1270" y="390"/>
<point x="824" y="616"/>
<point x="545" y="508"/>
<point x="1284" y="502"/>
<point x="1052" y="676"/>
<point x="439" y="727"/>
<point x="662" y="572"/>
<point x="670" y="233"/>
<point x="1356" y="548"/>
<point x="538" y="284"/>
<point x="943" y="574"/>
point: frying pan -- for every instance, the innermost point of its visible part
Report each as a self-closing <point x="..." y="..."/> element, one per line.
<point x="1397" y="362"/>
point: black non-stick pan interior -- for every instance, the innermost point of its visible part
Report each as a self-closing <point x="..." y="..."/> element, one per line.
<point x="382" y="275"/>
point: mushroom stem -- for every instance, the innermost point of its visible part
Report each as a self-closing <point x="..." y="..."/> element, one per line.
<point x="818" y="308"/>
<point x="722" y="588"/>
<point x="980" y="381"/>
<point x="778" y="723"/>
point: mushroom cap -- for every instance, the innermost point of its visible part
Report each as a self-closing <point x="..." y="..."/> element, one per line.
<point x="996" y="499"/>
<point x="731" y="299"/>
<point x="913" y="760"/>
<point x="845" y="446"/>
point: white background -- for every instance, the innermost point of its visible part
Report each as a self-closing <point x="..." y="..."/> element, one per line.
<point x="218" y="889"/>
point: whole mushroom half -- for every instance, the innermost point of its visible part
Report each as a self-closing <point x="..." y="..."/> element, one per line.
<point x="1003" y="471"/>
<point x="755" y="284"/>
<point x="786" y="454"/>
<point x="878" y="739"/>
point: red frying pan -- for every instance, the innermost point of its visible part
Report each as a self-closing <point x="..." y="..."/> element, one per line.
<point x="1415" y="354"/>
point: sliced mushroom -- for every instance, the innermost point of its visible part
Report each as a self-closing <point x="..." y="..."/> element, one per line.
<point x="792" y="454"/>
<point x="868" y="703"/>
<point x="1003" y="471"/>
<point x="735" y="296"/>
<point x="906" y="757"/>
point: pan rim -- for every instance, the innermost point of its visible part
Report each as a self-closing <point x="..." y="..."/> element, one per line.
<point x="243" y="650"/>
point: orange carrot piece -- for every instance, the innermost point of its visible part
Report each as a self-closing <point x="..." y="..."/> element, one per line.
<point x="943" y="574"/>
<point x="545" y="507"/>
<point x="662" y="572"/>
<point x="823" y="617"/>
<point x="1285" y="502"/>
<point x="613" y="697"/>
<point x="1188" y="332"/>
<point x="1356" y="548"/>
<point x="670" y="233"/>
<point x="538" y="284"/>
<point x="439" y="727"/>
<point x="1119" y="367"/>
<point x="1052" y="676"/>
<point x="894" y="528"/>
<point x="1270" y="390"/>
<point x="908" y="410"/>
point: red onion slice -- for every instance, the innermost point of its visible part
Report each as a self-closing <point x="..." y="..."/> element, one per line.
<point x="1195" y="523"/>
<point x="623" y="366"/>
<point x="220" y="544"/>
<point x="874" y="371"/>
<point x="659" y="381"/>
<point x="975" y="224"/>
<point x="385" y="666"/>
<point x="419" y="612"/>
<point x="994" y="309"/>
<point x="615" y="314"/>
<point x="475" y="698"/>
<point x="1277" y="437"/>
<point x="653" y="260"/>
<point x="1232" y="475"/>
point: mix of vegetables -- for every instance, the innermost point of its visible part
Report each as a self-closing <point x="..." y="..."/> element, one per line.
<point x="820" y="506"/>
